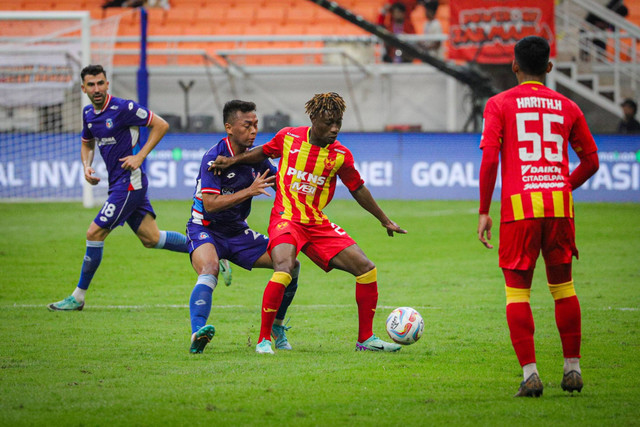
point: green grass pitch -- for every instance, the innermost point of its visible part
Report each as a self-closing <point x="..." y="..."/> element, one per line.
<point x="124" y="360"/>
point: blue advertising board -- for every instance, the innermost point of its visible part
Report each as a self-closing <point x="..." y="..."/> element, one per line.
<point x="393" y="165"/>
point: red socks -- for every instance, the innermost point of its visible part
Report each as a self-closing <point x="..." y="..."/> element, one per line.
<point x="367" y="300"/>
<point x="271" y="300"/>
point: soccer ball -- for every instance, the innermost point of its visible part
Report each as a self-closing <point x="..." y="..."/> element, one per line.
<point x="405" y="325"/>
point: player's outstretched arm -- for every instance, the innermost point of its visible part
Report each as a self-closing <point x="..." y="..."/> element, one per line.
<point x="365" y="199"/>
<point x="255" y="155"/>
<point x="158" y="128"/>
<point x="220" y="202"/>
<point x="87" y="152"/>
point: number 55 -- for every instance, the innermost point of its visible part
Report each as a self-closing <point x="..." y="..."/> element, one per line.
<point x="536" y="140"/>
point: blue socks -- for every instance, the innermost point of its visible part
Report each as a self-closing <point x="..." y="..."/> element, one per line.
<point x="173" y="241"/>
<point x="92" y="258"/>
<point x="200" y="301"/>
<point x="289" y="293"/>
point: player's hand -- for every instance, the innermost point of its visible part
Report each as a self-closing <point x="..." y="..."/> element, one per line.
<point x="261" y="183"/>
<point x="392" y="227"/>
<point x="88" y="176"/>
<point x="219" y="164"/>
<point x="131" y="163"/>
<point x="484" y="226"/>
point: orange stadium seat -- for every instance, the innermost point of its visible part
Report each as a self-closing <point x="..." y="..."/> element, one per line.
<point x="241" y="14"/>
<point x="302" y="14"/>
<point x="274" y="15"/>
<point x="11" y="6"/>
<point x="325" y="17"/>
<point x="296" y="29"/>
<point x="168" y="29"/>
<point x="38" y="5"/>
<point x="210" y="16"/>
<point x="70" y="4"/>
<point x="156" y="16"/>
<point x="183" y="15"/>
<point x="262" y="28"/>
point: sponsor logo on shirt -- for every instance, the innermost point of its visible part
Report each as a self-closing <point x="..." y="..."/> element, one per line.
<point x="541" y="177"/>
<point x="306" y="176"/>
<point x="294" y="151"/>
<point x="106" y="141"/>
<point x="293" y="135"/>
<point x="142" y="113"/>
<point x="113" y="107"/>
<point x="90" y="125"/>
<point x="109" y="123"/>
<point x="303" y="188"/>
<point x="227" y="190"/>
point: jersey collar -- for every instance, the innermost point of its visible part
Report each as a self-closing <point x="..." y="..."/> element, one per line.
<point x="226" y="140"/>
<point x="532" y="82"/>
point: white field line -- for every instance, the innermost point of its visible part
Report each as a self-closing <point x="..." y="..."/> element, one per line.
<point x="311" y="306"/>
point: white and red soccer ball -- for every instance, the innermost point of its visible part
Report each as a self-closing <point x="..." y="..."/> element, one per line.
<point x="405" y="325"/>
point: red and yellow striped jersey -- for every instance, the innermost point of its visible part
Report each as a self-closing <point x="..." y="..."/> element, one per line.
<point x="307" y="175"/>
<point x="532" y="126"/>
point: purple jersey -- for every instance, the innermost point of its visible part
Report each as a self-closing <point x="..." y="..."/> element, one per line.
<point x="115" y="130"/>
<point x="238" y="177"/>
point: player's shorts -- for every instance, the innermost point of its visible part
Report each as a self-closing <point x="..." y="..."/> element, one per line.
<point x="521" y="242"/>
<point x="319" y="242"/>
<point x="124" y="206"/>
<point x="242" y="249"/>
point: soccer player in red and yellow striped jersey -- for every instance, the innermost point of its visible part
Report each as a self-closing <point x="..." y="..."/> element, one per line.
<point x="530" y="127"/>
<point x="311" y="160"/>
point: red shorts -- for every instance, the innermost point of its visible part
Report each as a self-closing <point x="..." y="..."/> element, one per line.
<point x="319" y="242"/>
<point x="521" y="242"/>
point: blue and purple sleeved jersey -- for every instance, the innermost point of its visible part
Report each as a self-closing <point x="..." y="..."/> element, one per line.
<point x="238" y="177"/>
<point x="115" y="130"/>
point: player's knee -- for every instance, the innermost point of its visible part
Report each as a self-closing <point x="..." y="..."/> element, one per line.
<point x="365" y="267"/>
<point x="209" y="268"/>
<point x="148" y="243"/>
<point x="562" y="290"/>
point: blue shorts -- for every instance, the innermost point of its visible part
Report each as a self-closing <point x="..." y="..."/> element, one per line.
<point x="121" y="206"/>
<point x="242" y="249"/>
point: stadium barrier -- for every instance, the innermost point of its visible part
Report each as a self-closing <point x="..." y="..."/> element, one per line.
<point x="394" y="165"/>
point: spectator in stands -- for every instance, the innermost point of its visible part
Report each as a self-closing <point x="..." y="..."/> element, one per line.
<point x="600" y="41"/>
<point x="629" y="124"/>
<point x="122" y="3"/>
<point x="396" y="20"/>
<point x="432" y="27"/>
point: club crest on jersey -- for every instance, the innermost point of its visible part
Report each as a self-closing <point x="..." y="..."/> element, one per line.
<point x="329" y="163"/>
<point x="109" y="123"/>
<point x="203" y="236"/>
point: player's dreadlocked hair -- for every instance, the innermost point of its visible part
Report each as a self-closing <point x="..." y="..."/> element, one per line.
<point x="329" y="102"/>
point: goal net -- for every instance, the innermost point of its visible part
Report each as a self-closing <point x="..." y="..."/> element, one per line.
<point x="41" y="55"/>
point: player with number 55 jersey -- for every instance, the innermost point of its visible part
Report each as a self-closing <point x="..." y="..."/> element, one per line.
<point x="529" y="128"/>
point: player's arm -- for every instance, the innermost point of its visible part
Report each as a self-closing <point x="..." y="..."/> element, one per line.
<point x="255" y="155"/>
<point x="158" y="127"/>
<point x="87" y="152"/>
<point x="488" y="175"/>
<point x="490" y="143"/>
<point x="585" y="147"/>
<point x="220" y="202"/>
<point x="365" y="199"/>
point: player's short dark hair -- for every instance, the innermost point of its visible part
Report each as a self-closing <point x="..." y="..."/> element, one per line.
<point x="92" y="70"/>
<point x="532" y="55"/>
<point x="231" y="107"/>
<point x="399" y="7"/>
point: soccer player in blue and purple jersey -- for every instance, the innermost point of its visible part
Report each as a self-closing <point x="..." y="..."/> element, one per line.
<point x="218" y="227"/>
<point x="112" y="123"/>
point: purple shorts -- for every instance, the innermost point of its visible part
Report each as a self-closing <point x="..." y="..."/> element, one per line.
<point x="121" y="206"/>
<point x="242" y="249"/>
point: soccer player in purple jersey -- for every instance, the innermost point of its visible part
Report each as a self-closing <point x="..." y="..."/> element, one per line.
<point x="112" y="123"/>
<point x="218" y="228"/>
